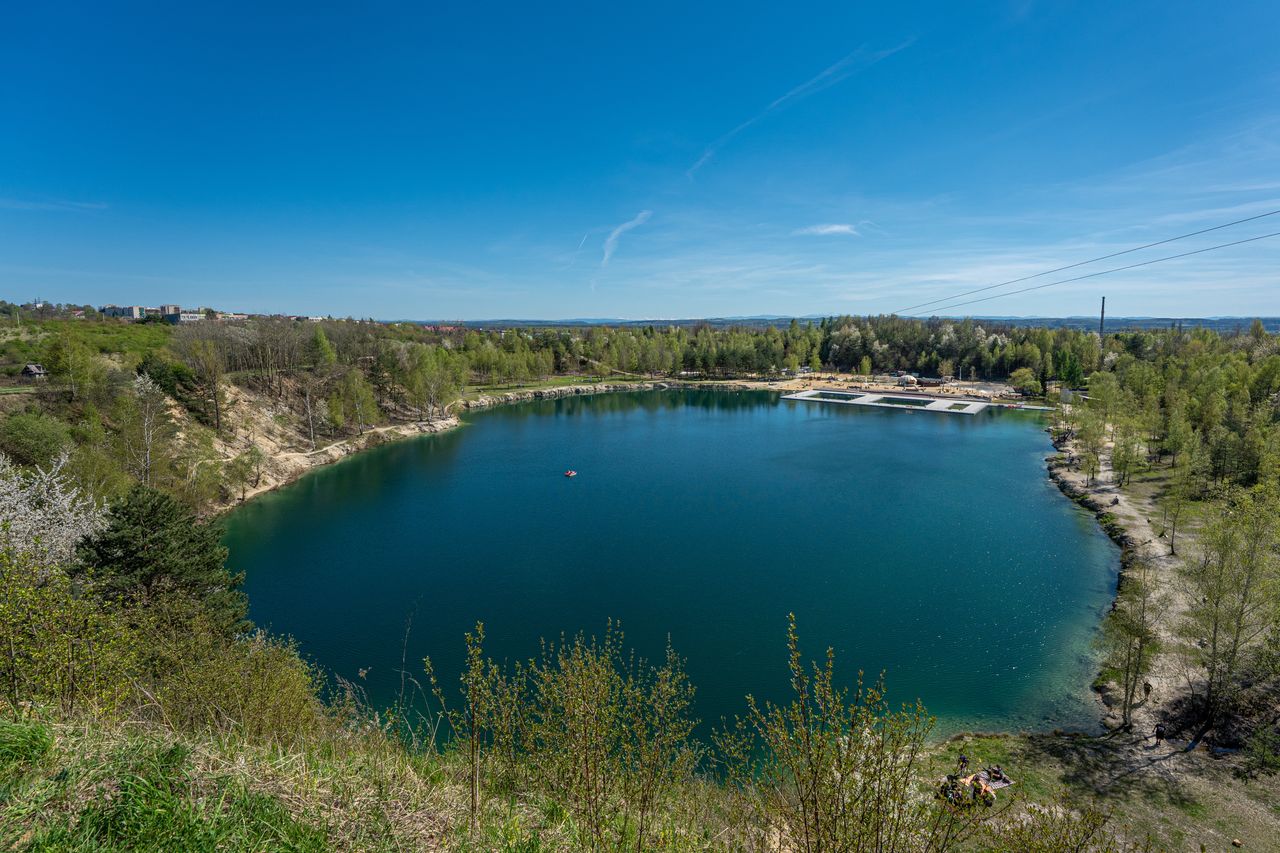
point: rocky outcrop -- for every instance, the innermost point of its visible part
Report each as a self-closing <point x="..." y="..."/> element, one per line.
<point x="488" y="401"/>
<point x="256" y="420"/>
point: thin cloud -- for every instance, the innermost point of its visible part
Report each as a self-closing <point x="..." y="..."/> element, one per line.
<point x="50" y="204"/>
<point x="842" y="70"/>
<point x="573" y="258"/>
<point x="611" y="242"/>
<point x="828" y="230"/>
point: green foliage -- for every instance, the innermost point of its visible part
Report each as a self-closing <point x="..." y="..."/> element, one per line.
<point x="1024" y="379"/>
<point x="153" y="807"/>
<point x="152" y="545"/>
<point x="1262" y="753"/>
<point x="75" y="366"/>
<point x="199" y="679"/>
<point x="353" y="403"/>
<point x="1234" y="582"/>
<point x="22" y="743"/>
<point x="58" y="647"/>
<point x="604" y="734"/>
<point x="33" y="438"/>
<point x="1130" y="634"/>
<point x="175" y="378"/>
<point x="133" y="342"/>
<point x="837" y="771"/>
<point x="322" y="350"/>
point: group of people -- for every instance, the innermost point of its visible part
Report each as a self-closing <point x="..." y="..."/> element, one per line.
<point x="970" y="789"/>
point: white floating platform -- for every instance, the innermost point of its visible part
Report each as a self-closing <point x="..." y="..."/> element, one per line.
<point x="891" y="400"/>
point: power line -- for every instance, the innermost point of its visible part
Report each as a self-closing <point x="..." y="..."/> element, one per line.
<point x="1090" y="261"/>
<point x="1107" y="272"/>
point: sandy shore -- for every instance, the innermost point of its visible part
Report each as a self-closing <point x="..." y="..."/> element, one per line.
<point x="1131" y="521"/>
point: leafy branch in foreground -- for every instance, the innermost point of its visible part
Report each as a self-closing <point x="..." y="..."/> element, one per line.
<point x="833" y="770"/>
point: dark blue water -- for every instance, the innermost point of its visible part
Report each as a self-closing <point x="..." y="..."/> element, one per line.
<point x="931" y="546"/>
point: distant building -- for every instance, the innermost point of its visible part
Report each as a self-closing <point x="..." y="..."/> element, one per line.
<point x="128" y="312"/>
<point x="181" y="317"/>
<point x="166" y="310"/>
<point x="34" y="372"/>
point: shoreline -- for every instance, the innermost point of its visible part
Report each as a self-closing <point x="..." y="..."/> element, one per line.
<point x="1127" y="519"/>
<point x="285" y="465"/>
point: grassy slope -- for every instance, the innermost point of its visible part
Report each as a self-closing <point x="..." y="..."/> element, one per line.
<point x="101" y="788"/>
<point x="1178" y="799"/>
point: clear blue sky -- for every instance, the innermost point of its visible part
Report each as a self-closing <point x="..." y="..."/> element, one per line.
<point x="472" y="160"/>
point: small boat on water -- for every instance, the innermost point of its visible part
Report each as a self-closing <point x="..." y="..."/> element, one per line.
<point x="571" y="473"/>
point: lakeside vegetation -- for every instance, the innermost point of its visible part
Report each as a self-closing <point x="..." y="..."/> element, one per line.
<point x="156" y="404"/>
<point x="143" y="712"/>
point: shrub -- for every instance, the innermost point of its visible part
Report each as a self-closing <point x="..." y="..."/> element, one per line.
<point x="57" y="647"/>
<point x="202" y="680"/>
<point x="32" y="438"/>
<point x="834" y="771"/>
<point x="1262" y="753"/>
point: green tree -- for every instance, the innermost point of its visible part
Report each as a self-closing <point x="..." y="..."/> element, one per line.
<point x="432" y="378"/>
<point x="203" y="350"/>
<point x="152" y="545"/>
<point x="1186" y="482"/>
<point x="1233" y="579"/>
<point x="245" y="470"/>
<point x="353" y="402"/>
<point x="33" y="438"/>
<point x="322" y="351"/>
<point x="1091" y="435"/>
<point x="1104" y="393"/>
<point x="1024" y="379"/>
<point x="1130" y="637"/>
<point x="74" y="365"/>
<point x="1178" y="434"/>
<point x="1126" y="449"/>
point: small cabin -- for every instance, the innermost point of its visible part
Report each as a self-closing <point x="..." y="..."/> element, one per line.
<point x="34" y="372"/>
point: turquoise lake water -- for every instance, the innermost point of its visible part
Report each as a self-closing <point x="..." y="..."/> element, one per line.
<point x="930" y="546"/>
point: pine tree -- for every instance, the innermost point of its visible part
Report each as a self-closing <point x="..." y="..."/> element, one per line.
<point x="151" y="546"/>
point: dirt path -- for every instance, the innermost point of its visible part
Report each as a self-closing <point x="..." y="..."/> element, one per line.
<point x="1138" y="517"/>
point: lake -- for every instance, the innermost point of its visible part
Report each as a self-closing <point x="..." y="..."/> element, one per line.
<point x="930" y="546"/>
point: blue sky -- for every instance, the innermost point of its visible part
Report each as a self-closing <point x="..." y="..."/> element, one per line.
<point x="472" y="160"/>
